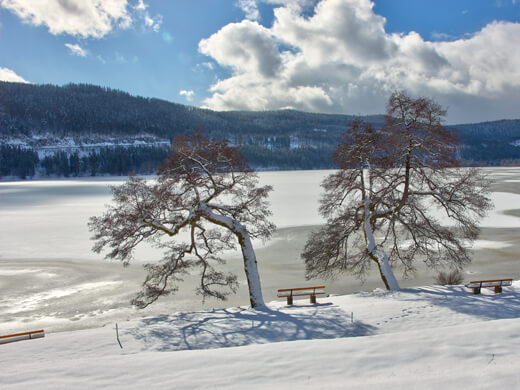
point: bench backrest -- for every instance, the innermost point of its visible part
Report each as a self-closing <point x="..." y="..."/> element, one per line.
<point x="36" y="334"/>
<point x="496" y="282"/>
<point x="300" y="289"/>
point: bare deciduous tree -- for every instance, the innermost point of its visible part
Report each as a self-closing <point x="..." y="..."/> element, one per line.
<point x="207" y="199"/>
<point x="400" y="194"/>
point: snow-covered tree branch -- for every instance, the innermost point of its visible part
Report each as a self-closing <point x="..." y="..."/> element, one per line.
<point x="400" y="195"/>
<point x="207" y="192"/>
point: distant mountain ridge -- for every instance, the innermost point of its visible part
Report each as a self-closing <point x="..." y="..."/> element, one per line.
<point x="86" y="119"/>
<point x="83" y="109"/>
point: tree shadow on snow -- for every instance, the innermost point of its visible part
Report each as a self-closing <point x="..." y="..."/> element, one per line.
<point x="485" y="306"/>
<point x="242" y="326"/>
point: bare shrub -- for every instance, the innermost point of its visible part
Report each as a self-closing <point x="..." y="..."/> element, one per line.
<point x="449" y="278"/>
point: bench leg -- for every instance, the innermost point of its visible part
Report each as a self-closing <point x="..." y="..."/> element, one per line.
<point x="498" y="289"/>
<point x="313" y="299"/>
<point x="476" y="290"/>
<point x="289" y="300"/>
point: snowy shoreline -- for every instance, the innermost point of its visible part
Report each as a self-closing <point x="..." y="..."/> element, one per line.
<point x="424" y="337"/>
<point x="44" y="229"/>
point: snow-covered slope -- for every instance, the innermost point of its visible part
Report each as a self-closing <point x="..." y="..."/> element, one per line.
<point x="425" y="338"/>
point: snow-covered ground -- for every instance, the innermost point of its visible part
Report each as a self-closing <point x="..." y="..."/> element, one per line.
<point x="424" y="338"/>
<point x="49" y="278"/>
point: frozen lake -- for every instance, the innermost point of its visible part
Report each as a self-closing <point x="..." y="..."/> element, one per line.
<point x="49" y="277"/>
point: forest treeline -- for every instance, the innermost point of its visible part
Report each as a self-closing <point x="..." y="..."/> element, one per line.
<point x="36" y="116"/>
<point x="19" y="162"/>
<point x="16" y="161"/>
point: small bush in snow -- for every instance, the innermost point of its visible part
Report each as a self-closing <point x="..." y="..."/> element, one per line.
<point x="449" y="278"/>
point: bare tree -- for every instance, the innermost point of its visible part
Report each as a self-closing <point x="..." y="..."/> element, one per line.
<point x="400" y="194"/>
<point x="207" y="199"/>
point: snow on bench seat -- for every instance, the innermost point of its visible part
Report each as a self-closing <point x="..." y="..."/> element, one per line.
<point x="497" y="284"/>
<point x="289" y="293"/>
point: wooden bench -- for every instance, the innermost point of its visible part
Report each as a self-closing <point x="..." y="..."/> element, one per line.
<point x="289" y="293"/>
<point x="497" y="284"/>
<point x="35" y="334"/>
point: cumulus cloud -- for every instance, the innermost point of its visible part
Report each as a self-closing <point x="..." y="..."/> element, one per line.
<point x="76" y="50"/>
<point x="93" y="18"/>
<point x="244" y="47"/>
<point x="7" y="74"/>
<point x="340" y="59"/>
<point x="82" y="18"/>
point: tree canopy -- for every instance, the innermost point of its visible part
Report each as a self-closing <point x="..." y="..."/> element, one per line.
<point x="399" y="195"/>
<point x="206" y="200"/>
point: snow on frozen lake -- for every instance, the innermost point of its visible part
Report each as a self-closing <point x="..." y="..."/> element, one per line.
<point x="50" y="278"/>
<point x="48" y="219"/>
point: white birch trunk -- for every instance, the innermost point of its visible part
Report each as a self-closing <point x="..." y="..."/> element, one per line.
<point x="376" y="254"/>
<point x="248" y="253"/>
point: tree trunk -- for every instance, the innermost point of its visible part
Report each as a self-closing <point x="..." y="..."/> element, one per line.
<point x="248" y="252"/>
<point x="250" y="267"/>
<point x="387" y="275"/>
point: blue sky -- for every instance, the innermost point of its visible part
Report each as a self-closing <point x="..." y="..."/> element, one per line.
<point x="336" y="56"/>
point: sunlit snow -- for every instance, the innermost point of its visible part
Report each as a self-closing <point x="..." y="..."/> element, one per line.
<point x="47" y="267"/>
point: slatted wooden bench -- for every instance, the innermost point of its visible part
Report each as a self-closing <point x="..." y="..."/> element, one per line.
<point x="497" y="284"/>
<point x="289" y="293"/>
<point x="35" y="334"/>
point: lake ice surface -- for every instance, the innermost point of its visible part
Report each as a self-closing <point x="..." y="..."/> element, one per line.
<point x="50" y="278"/>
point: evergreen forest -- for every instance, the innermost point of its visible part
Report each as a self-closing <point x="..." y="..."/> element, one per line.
<point x="87" y="130"/>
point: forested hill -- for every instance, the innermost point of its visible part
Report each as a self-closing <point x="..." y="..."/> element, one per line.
<point x="89" y="130"/>
<point x="83" y="110"/>
<point x="491" y="143"/>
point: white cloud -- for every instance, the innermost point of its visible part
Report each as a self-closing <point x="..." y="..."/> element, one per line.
<point x="339" y="58"/>
<point x="187" y="94"/>
<point x="9" y="75"/>
<point x="153" y="23"/>
<point x="93" y="18"/>
<point x="76" y="50"/>
<point x="141" y="5"/>
<point x="83" y="18"/>
<point x="206" y="65"/>
<point x="244" y="47"/>
<point x="250" y="9"/>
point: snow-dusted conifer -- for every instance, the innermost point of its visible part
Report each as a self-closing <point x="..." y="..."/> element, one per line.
<point x="206" y="190"/>
<point x="380" y="206"/>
